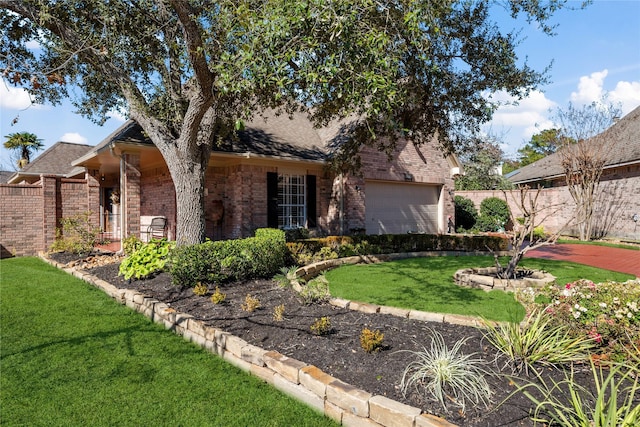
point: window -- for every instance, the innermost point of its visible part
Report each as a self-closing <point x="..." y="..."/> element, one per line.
<point x="291" y="201"/>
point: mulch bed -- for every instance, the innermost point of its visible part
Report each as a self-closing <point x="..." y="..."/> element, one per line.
<point x="340" y="354"/>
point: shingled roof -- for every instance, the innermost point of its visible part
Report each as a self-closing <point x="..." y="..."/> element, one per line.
<point x="292" y="137"/>
<point x="56" y="160"/>
<point x="4" y="176"/>
<point x="627" y="151"/>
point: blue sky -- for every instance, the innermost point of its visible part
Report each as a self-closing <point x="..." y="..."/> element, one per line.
<point x="596" y="51"/>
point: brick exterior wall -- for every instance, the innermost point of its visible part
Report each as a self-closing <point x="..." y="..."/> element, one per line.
<point x="158" y="196"/>
<point x="618" y="202"/>
<point x="426" y="164"/>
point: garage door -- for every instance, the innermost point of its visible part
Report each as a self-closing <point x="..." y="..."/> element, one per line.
<point x="394" y="208"/>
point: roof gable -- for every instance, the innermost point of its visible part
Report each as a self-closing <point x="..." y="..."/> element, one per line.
<point x="56" y="160"/>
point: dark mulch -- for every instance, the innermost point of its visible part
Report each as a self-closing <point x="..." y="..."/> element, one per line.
<point x="339" y="354"/>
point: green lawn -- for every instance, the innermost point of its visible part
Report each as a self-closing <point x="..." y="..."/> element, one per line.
<point x="427" y="284"/>
<point x="71" y="356"/>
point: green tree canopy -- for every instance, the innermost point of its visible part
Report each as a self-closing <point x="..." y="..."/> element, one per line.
<point x="481" y="164"/>
<point x="25" y="144"/>
<point x="541" y="145"/>
<point x="189" y="71"/>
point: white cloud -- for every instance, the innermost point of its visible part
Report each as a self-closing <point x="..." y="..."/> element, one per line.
<point x="627" y="94"/>
<point x="116" y="115"/>
<point x="13" y="98"/>
<point x="590" y="88"/>
<point x="33" y="44"/>
<point x="74" y="138"/>
<point x="517" y="121"/>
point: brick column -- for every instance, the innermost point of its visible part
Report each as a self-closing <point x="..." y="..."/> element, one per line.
<point x="131" y="185"/>
<point x="93" y="199"/>
<point x="49" y="209"/>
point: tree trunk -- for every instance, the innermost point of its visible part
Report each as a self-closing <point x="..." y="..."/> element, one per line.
<point x="189" y="182"/>
<point x="510" y="271"/>
<point x="187" y="162"/>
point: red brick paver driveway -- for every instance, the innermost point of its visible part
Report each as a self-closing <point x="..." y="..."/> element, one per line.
<point x="615" y="259"/>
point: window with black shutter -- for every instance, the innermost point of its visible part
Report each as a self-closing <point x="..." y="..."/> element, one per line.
<point x="291" y="200"/>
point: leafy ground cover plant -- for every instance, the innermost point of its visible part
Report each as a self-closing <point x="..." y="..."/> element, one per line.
<point x="200" y="289"/>
<point x="131" y="244"/>
<point x="442" y="372"/>
<point x="278" y="313"/>
<point x="537" y="341"/>
<point x="250" y="303"/>
<point x="608" y="312"/>
<point x="316" y="290"/>
<point x="150" y="258"/>
<point x="218" y="297"/>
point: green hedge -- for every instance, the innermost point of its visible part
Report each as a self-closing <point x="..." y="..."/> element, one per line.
<point x="226" y="260"/>
<point x="312" y="250"/>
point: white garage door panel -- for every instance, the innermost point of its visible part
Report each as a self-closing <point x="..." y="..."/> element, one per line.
<point x="401" y="208"/>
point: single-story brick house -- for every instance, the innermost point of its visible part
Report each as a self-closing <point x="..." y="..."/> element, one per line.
<point x="274" y="174"/>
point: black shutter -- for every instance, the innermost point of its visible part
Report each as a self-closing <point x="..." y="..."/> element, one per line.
<point x="272" y="200"/>
<point x="311" y="202"/>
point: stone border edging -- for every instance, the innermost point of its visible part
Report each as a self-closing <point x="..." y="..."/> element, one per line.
<point x="330" y="396"/>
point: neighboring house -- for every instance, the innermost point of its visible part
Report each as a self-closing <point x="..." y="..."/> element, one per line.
<point x="274" y="174"/>
<point x="56" y="160"/>
<point x="4" y="176"/>
<point x="618" y="204"/>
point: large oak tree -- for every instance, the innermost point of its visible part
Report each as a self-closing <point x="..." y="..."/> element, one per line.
<point x="189" y="71"/>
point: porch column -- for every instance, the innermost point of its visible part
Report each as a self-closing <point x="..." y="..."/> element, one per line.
<point x="93" y="199"/>
<point x="130" y="194"/>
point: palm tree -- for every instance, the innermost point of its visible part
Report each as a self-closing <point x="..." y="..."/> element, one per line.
<point x="24" y="142"/>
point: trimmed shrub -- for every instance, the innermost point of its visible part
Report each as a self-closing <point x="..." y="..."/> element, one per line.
<point x="466" y="213"/>
<point x="304" y="252"/>
<point x="494" y="215"/>
<point x="227" y="260"/>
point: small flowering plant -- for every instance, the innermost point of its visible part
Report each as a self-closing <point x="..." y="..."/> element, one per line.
<point x="607" y="312"/>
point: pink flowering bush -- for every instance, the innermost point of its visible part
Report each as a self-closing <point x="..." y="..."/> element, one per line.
<point x="609" y="313"/>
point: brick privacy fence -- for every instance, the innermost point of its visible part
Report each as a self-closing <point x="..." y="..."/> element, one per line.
<point x="30" y="214"/>
<point x="618" y="202"/>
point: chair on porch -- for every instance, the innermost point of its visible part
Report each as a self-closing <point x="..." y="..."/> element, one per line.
<point x="157" y="229"/>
